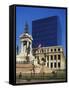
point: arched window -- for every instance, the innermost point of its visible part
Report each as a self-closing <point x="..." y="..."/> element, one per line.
<point x="59" y="57"/>
<point x="58" y="49"/>
<point x="58" y="64"/>
<point x="47" y="57"/>
<point x="55" y="57"/>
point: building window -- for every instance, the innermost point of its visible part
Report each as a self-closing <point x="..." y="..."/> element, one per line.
<point x="51" y="50"/>
<point x="59" y="57"/>
<point x="55" y="50"/>
<point x="51" y="65"/>
<point x="55" y="57"/>
<point x="58" y="49"/>
<point x="58" y="64"/>
<point x="47" y="57"/>
<point x="51" y="57"/>
<point x="55" y="65"/>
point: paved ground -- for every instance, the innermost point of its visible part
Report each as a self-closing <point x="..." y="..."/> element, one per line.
<point x="57" y="77"/>
<point x="34" y="81"/>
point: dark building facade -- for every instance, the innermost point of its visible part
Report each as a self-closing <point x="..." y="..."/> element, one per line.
<point x="46" y="32"/>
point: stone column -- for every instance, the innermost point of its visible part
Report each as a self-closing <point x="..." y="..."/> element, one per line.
<point x="31" y="47"/>
<point x="21" y="47"/>
<point x="24" y="49"/>
<point x="49" y="60"/>
<point x="53" y="61"/>
<point x="46" y="60"/>
<point x="61" y="61"/>
<point x="57" y="61"/>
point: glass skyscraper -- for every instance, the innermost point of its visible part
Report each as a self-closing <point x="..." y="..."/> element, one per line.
<point x="46" y="32"/>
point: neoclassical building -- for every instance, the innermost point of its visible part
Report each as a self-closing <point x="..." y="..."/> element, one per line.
<point x="53" y="57"/>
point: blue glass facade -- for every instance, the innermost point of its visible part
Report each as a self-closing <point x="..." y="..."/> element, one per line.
<point x="45" y="32"/>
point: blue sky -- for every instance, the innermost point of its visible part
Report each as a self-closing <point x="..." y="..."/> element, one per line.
<point x="28" y="14"/>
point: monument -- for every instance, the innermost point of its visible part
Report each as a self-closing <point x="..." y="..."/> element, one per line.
<point x="25" y="56"/>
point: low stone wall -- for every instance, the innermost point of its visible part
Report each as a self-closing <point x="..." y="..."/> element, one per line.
<point x="29" y="68"/>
